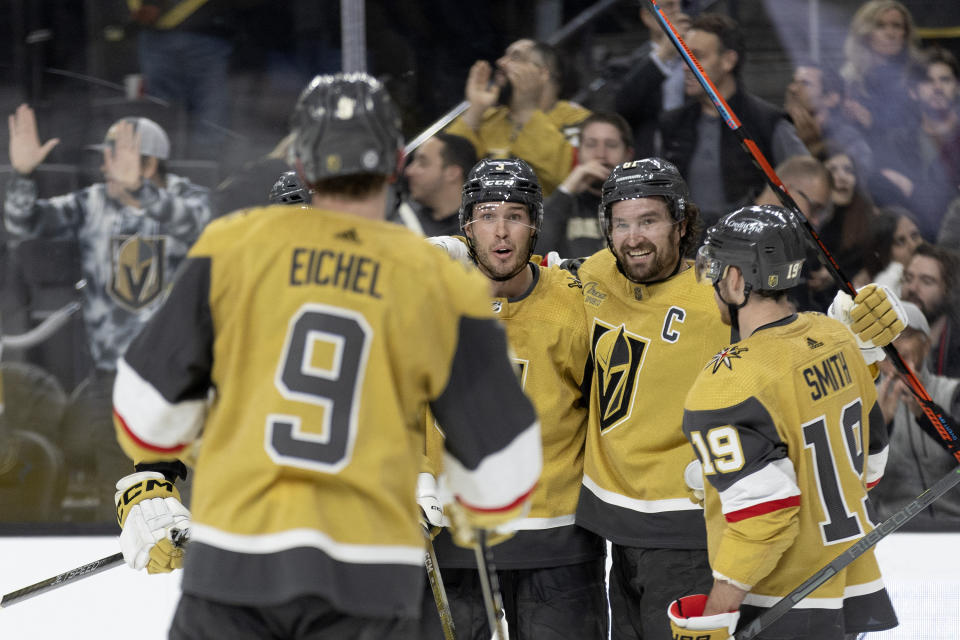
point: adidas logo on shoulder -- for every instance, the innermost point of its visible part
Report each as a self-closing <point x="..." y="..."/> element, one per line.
<point x="349" y="235"/>
<point x="813" y="344"/>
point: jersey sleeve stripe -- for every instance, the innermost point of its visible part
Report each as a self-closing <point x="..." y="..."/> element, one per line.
<point x="762" y="509"/>
<point x="148" y="418"/>
<point x="503" y="478"/>
<point x="124" y="428"/>
<point x="761" y="491"/>
<point x="876" y="463"/>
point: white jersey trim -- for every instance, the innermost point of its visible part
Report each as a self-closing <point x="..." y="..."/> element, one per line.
<point x="502" y="477"/>
<point x="642" y="506"/>
<point x="530" y="524"/>
<point x="774" y="481"/>
<point x="296" y="538"/>
<point x="850" y="591"/>
<point x="149" y="416"/>
<point x="876" y="463"/>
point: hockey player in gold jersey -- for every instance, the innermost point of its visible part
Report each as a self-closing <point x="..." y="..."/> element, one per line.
<point x="786" y="426"/>
<point x="551" y="571"/>
<point x="651" y="329"/>
<point x="301" y="345"/>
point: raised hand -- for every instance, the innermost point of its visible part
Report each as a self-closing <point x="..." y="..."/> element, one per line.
<point x="480" y="92"/>
<point x="587" y="176"/>
<point x="26" y="152"/>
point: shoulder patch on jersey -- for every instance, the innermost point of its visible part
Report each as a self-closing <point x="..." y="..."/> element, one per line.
<point x="813" y="344"/>
<point x="592" y="294"/>
<point x="725" y="358"/>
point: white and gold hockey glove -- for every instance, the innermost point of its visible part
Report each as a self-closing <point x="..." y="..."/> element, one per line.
<point x="876" y="317"/>
<point x="431" y="509"/>
<point x="149" y="512"/>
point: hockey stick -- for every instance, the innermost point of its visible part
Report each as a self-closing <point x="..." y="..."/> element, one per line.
<point x="853" y="552"/>
<point x="180" y="538"/>
<point x="490" y="585"/>
<point x="943" y="426"/>
<point x="439" y="593"/>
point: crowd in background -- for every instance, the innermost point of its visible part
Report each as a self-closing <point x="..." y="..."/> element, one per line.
<point x="869" y="149"/>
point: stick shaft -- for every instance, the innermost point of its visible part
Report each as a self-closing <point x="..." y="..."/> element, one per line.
<point x="490" y="585"/>
<point x="941" y="425"/>
<point x="853" y="552"/>
<point x="67" y="577"/>
<point x="439" y="593"/>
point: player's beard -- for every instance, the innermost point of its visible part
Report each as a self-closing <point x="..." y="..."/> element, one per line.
<point x="498" y="270"/>
<point x="657" y="266"/>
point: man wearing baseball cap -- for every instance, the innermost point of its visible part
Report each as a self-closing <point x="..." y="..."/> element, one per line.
<point x="917" y="459"/>
<point x="132" y="230"/>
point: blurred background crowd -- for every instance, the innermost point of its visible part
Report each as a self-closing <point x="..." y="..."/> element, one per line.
<point x="134" y="123"/>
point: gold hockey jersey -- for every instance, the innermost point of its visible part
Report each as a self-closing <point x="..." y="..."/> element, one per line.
<point x="648" y="344"/>
<point x="549" y="345"/>
<point x="546" y="141"/>
<point x="790" y="436"/>
<point x="304" y="345"/>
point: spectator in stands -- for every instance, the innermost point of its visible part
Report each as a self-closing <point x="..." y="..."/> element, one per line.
<point x="892" y="238"/>
<point x="435" y="178"/>
<point x="931" y="280"/>
<point x="853" y="210"/>
<point x="916" y="458"/>
<point x="810" y="185"/>
<point x="880" y="46"/>
<point x="923" y="158"/>
<point x="570" y="223"/>
<point x="530" y="122"/>
<point x="184" y="48"/>
<point x="721" y="176"/>
<point x="655" y="83"/>
<point x="949" y="235"/>
<point x="133" y="231"/>
<point x="813" y="100"/>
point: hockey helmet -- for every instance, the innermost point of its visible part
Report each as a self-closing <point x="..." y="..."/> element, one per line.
<point x="765" y="242"/>
<point x="345" y="124"/>
<point x="643" y="179"/>
<point x="503" y="180"/>
<point x="289" y="190"/>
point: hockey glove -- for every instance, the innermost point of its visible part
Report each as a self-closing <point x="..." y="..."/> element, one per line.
<point x="464" y="522"/>
<point x="693" y="476"/>
<point x="148" y="510"/>
<point x="455" y="247"/>
<point x="687" y="623"/>
<point x="431" y="510"/>
<point x="875" y="317"/>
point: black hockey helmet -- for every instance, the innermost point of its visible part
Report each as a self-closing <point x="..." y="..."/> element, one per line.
<point x="765" y="242"/>
<point x="344" y="124"/>
<point x="643" y="179"/>
<point x="503" y="180"/>
<point x="289" y="190"/>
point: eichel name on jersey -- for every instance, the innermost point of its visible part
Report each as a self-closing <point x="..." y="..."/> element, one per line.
<point x="346" y="271"/>
<point x="790" y="436"/>
<point x="648" y="344"/>
<point x="305" y="344"/>
<point x="549" y="344"/>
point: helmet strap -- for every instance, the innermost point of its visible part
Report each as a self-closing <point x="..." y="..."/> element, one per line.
<point x="733" y="308"/>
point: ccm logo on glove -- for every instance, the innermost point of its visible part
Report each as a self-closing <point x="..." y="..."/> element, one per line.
<point x="143" y="490"/>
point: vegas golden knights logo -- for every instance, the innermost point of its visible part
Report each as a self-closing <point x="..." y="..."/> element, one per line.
<point x="136" y="270"/>
<point x="618" y="356"/>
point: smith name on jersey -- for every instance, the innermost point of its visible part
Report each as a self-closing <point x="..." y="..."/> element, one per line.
<point x="790" y="436"/>
<point x="302" y="346"/>
<point x="648" y="343"/>
<point x="549" y="344"/>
